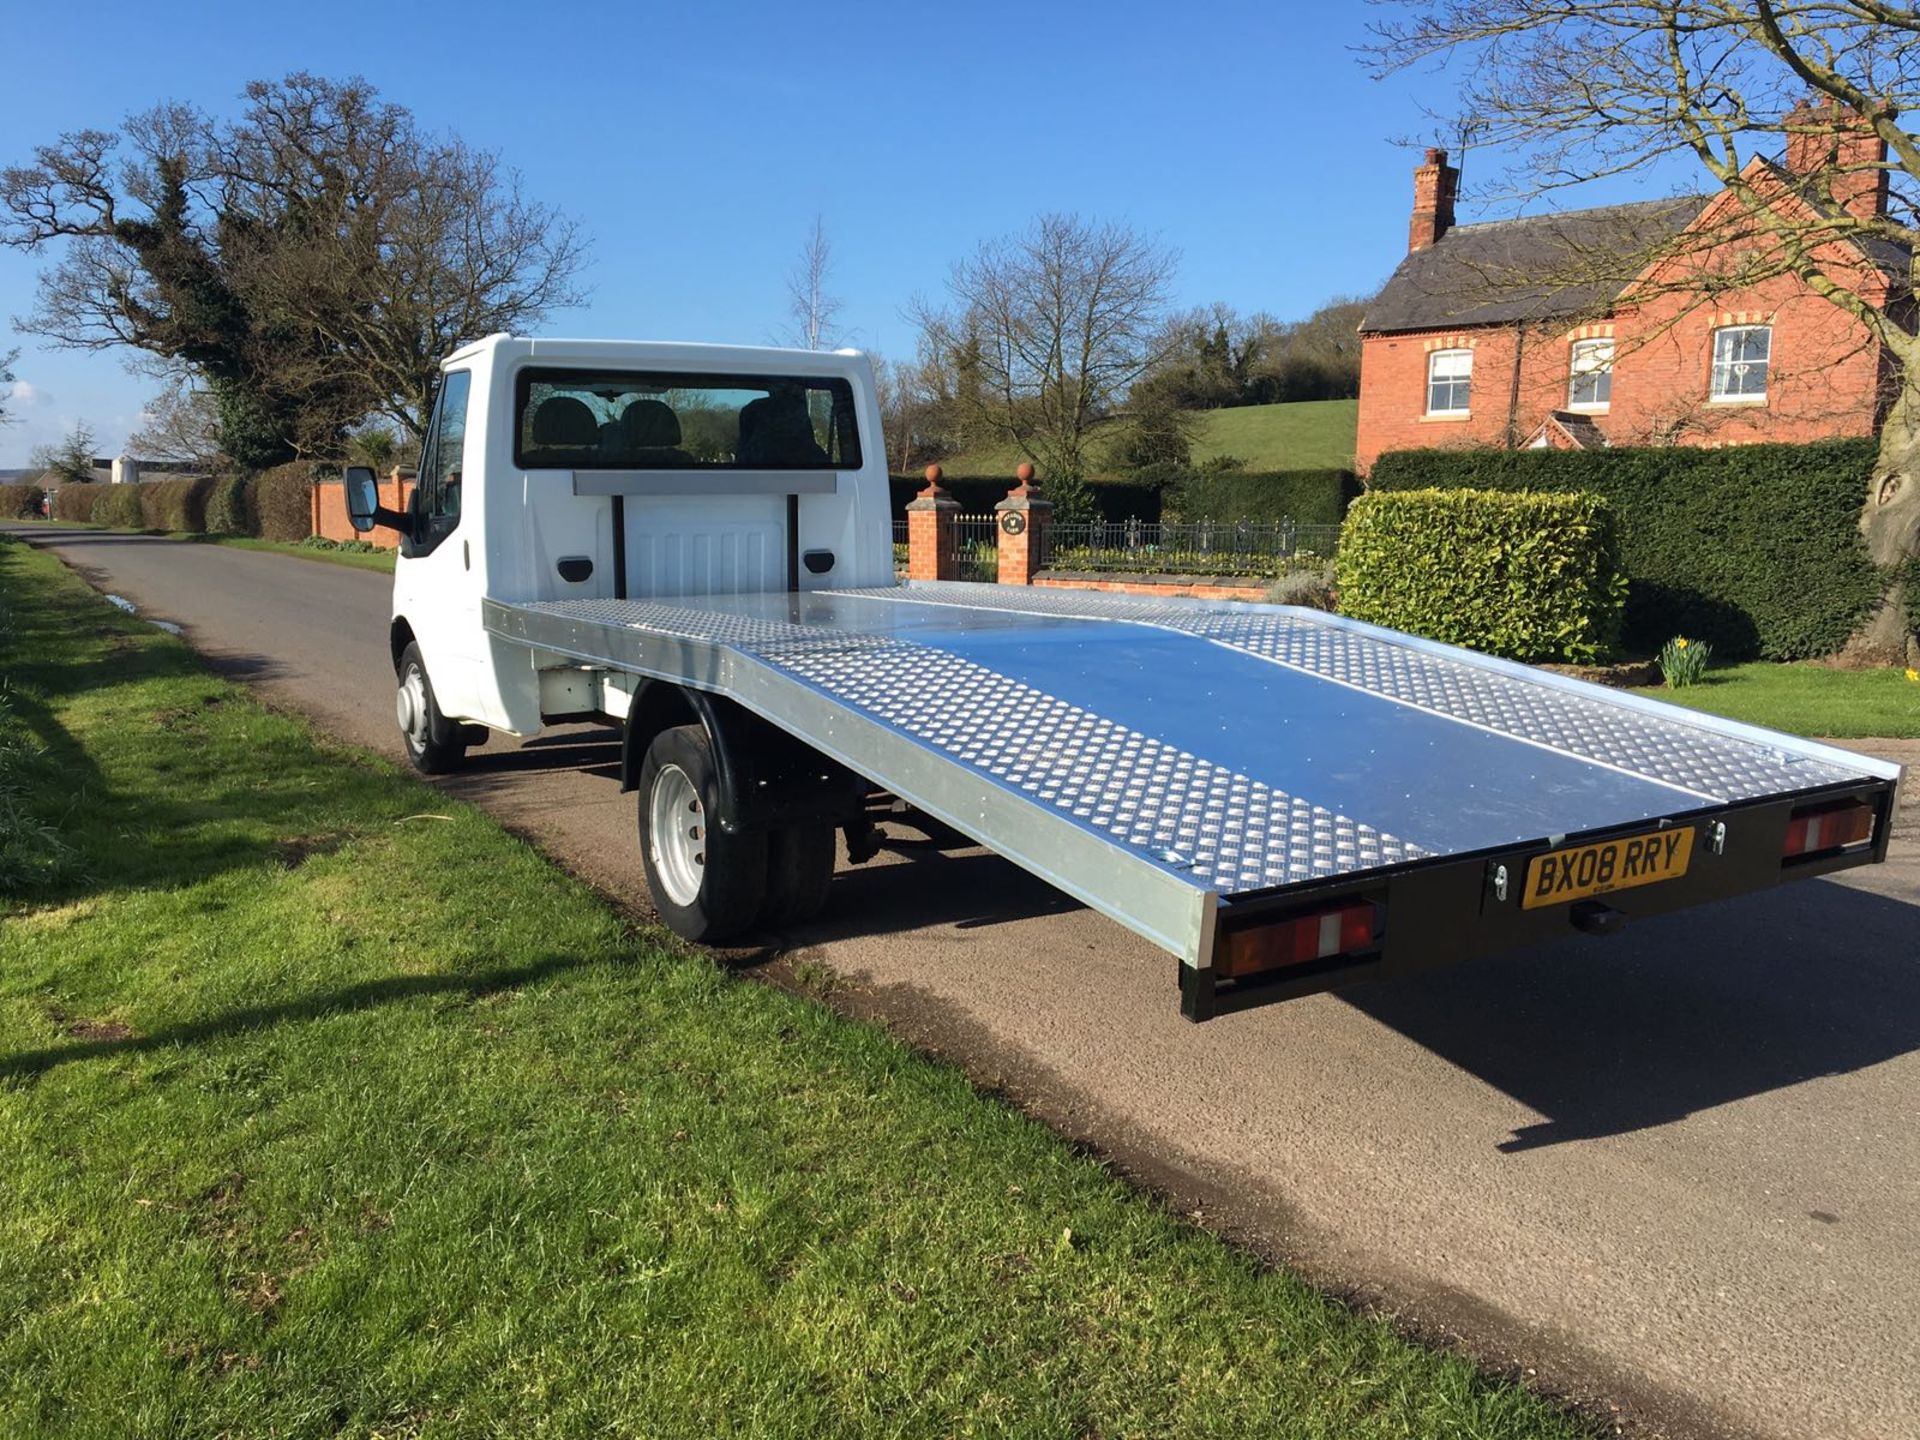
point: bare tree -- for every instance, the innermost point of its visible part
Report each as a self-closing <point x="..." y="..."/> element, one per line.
<point x="6" y="379"/>
<point x="181" y="426"/>
<point x="813" y="309"/>
<point x="1579" y="90"/>
<point x="1047" y="331"/>
<point x="311" y="261"/>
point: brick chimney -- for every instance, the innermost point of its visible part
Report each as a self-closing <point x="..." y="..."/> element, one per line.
<point x="1434" y="186"/>
<point x="1841" y="143"/>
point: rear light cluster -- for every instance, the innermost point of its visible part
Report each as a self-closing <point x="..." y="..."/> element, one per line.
<point x="1342" y="929"/>
<point x="1820" y="829"/>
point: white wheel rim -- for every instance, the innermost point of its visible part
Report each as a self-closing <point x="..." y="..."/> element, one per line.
<point x="410" y="705"/>
<point x="677" y="834"/>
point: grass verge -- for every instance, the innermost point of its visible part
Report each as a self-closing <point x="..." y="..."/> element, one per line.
<point x="327" y="1107"/>
<point x="381" y="560"/>
<point x="1807" y="699"/>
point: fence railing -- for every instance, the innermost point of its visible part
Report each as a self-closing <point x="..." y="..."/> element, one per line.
<point x="900" y="545"/>
<point x="1200" y="547"/>
<point x="976" y="547"/>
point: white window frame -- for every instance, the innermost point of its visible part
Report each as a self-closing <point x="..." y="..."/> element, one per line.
<point x="1598" y="357"/>
<point x="1722" y="371"/>
<point x="1464" y="378"/>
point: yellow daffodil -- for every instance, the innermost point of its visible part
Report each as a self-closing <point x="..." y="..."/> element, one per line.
<point x="1681" y="642"/>
<point x="1913" y="675"/>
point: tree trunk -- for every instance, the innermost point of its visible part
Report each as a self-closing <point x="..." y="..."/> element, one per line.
<point x="1890" y="521"/>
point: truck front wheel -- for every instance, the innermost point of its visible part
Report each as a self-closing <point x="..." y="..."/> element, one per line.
<point x="706" y="884"/>
<point x="434" y="743"/>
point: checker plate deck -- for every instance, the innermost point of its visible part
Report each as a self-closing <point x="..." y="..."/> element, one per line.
<point x="1220" y="748"/>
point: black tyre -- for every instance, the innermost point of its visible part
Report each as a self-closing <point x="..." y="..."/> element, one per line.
<point x="799" y="870"/>
<point x="434" y="743"/>
<point x="706" y="884"/>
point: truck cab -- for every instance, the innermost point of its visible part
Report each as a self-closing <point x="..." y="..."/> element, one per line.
<point x="618" y="470"/>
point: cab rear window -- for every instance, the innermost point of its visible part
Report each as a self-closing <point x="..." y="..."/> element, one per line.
<point x="633" y="420"/>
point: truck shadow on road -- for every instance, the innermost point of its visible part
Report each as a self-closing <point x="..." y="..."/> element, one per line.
<point x="1677" y="1015"/>
<point x="588" y="750"/>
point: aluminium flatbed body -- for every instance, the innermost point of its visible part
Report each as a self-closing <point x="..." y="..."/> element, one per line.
<point x="1283" y="799"/>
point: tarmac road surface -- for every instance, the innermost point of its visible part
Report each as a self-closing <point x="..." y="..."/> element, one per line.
<point x="1677" y="1171"/>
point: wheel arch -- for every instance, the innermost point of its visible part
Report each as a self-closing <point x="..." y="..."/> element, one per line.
<point x="399" y="636"/>
<point x="660" y="705"/>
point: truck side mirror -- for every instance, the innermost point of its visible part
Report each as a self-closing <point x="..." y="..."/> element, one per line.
<point x="363" y="497"/>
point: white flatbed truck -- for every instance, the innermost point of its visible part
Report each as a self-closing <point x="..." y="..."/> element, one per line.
<point x="693" y="542"/>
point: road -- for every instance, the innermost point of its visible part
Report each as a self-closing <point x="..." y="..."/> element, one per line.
<point x="1677" y="1171"/>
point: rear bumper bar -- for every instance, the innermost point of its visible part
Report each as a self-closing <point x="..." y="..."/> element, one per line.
<point x="1445" y="911"/>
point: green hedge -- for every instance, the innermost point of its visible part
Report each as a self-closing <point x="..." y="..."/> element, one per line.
<point x="978" y="494"/>
<point x="20" y="502"/>
<point x="227" y="506"/>
<point x="274" y="505"/>
<point x="76" y="502"/>
<point x="175" y="504"/>
<point x="1530" y="577"/>
<point x="1755" y="548"/>
<point x="280" y="502"/>
<point x="1265" y="497"/>
<point x="1308" y="497"/>
<point x="119" y="506"/>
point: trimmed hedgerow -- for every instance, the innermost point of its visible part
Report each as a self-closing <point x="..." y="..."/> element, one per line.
<point x="175" y="504"/>
<point x="76" y="502"/>
<point x="1121" y="499"/>
<point x="1261" y="497"/>
<point x="280" y="502"/>
<point x="1530" y="577"/>
<point x="1755" y="548"/>
<point x="20" y="502"/>
<point x="119" y="506"/>
<point x="227" y="506"/>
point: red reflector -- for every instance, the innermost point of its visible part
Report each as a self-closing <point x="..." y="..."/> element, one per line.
<point x="1828" y="827"/>
<point x="1296" y="940"/>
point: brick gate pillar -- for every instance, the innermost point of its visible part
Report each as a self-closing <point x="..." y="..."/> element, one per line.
<point x="930" y="552"/>
<point x="1023" y="519"/>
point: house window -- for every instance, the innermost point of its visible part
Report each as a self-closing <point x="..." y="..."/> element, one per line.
<point x="1590" y="386"/>
<point x="1449" y="379"/>
<point x="1740" y="355"/>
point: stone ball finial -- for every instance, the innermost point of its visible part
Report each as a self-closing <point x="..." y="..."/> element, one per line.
<point x="933" y="490"/>
<point x="1024" y="474"/>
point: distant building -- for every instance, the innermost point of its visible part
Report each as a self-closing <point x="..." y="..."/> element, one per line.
<point x="1517" y="333"/>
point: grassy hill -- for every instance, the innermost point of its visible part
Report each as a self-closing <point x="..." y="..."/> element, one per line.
<point x="1305" y="435"/>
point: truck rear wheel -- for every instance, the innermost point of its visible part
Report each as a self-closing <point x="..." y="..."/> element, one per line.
<point x="799" y="870"/>
<point x="706" y="884"/>
<point x="434" y="743"/>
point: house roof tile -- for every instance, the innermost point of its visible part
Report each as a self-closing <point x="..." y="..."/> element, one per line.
<point x="1540" y="267"/>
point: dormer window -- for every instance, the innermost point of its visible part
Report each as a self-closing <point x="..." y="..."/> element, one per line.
<point x="1590" y="386"/>
<point x="1740" y="357"/>
<point x="1449" y="381"/>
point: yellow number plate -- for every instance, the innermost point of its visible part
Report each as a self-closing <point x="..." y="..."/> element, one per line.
<point x="1582" y="870"/>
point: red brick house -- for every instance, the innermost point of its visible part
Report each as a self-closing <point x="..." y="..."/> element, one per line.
<point x="1571" y="330"/>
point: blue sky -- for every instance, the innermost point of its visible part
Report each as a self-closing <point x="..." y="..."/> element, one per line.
<point x="695" y="143"/>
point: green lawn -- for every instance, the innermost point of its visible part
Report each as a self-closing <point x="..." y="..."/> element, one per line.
<point x="1305" y="435"/>
<point x="328" y="1108"/>
<point x="1807" y="699"/>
